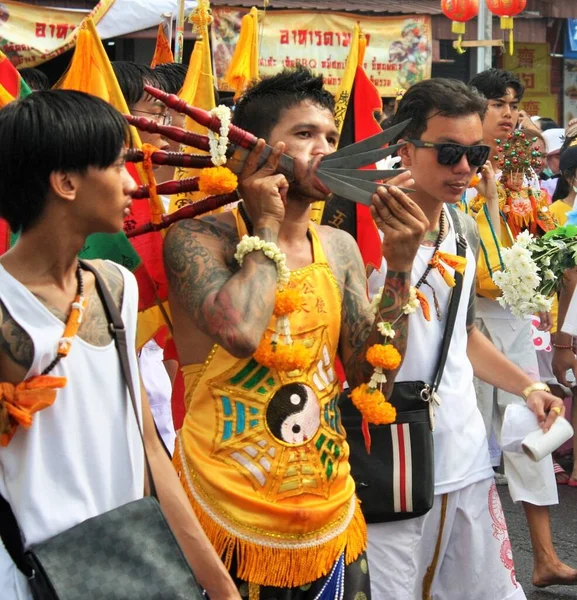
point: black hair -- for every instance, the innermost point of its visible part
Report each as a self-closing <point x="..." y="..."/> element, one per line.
<point x="260" y="107"/>
<point x="546" y="123"/>
<point x="494" y="83"/>
<point x="568" y="167"/>
<point x="439" y="96"/>
<point x="49" y="131"/>
<point x="132" y="77"/>
<point x="36" y="79"/>
<point x="171" y="76"/>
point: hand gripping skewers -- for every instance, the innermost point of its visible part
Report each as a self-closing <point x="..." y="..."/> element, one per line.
<point x="335" y="173"/>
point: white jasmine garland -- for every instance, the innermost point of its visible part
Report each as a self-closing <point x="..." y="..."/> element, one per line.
<point x="271" y="250"/>
<point x="377" y="378"/>
<point x="219" y="142"/>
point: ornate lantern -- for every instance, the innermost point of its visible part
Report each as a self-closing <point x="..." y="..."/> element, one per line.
<point x="460" y="11"/>
<point x="507" y="9"/>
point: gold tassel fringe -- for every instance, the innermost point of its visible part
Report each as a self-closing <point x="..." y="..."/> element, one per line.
<point x="278" y="567"/>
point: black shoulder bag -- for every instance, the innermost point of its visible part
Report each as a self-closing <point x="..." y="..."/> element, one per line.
<point x="128" y="553"/>
<point x="397" y="479"/>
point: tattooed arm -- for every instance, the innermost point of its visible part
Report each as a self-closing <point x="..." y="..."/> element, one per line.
<point x="358" y="323"/>
<point x="232" y="308"/>
<point x="403" y="225"/>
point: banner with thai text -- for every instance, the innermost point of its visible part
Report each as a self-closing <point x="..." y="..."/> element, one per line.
<point x="398" y="55"/>
<point x="31" y="35"/>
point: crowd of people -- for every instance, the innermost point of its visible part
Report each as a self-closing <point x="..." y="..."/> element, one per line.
<point x="260" y="493"/>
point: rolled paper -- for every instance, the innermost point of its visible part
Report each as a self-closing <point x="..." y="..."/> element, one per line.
<point x="175" y="159"/>
<point x="186" y="212"/>
<point x="168" y="188"/>
<point x="537" y="445"/>
<point x="202" y="117"/>
<point x="174" y="133"/>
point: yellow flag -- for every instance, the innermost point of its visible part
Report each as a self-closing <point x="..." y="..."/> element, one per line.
<point x="5" y="97"/>
<point x="342" y="98"/>
<point x="198" y="90"/>
<point x="162" y="51"/>
<point x="243" y="68"/>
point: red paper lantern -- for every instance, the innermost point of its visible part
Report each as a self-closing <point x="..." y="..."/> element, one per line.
<point x="460" y="11"/>
<point x="507" y="9"/>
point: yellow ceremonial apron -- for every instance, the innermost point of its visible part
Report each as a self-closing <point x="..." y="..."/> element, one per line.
<point x="262" y="454"/>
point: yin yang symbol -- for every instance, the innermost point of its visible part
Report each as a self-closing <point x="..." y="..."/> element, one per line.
<point x="293" y="414"/>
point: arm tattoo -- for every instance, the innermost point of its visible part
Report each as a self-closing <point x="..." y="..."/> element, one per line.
<point x="14" y="341"/>
<point x="358" y="330"/>
<point x="231" y="305"/>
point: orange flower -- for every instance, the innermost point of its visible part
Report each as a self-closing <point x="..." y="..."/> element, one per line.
<point x="475" y="181"/>
<point x="387" y="357"/>
<point x="217" y="180"/>
<point x="373" y="405"/>
<point x="283" y="357"/>
<point x="287" y="301"/>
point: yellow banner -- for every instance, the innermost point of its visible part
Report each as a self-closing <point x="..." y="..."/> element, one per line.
<point x="531" y="63"/>
<point x="31" y="35"/>
<point x="398" y="55"/>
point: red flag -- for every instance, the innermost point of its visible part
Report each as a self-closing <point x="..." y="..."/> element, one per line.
<point x="366" y="101"/>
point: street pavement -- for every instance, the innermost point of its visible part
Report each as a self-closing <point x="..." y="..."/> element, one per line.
<point x="564" y="527"/>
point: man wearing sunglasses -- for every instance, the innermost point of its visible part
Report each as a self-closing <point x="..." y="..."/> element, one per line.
<point x="460" y="548"/>
<point x="533" y="484"/>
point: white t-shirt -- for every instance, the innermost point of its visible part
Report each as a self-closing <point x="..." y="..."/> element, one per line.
<point x="83" y="455"/>
<point x="461" y="450"/>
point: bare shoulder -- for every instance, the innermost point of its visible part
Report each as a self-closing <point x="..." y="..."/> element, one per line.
<point x="16" y="347"/>
<point x="112" y="276"/>
<point x="342" y="252"/>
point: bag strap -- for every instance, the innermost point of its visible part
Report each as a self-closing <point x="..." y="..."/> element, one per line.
<point x="118" y="332"/>
<point x="453" y="303"/>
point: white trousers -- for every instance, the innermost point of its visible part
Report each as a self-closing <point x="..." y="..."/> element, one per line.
<point x="470" y="559"/>
<point x="532" y="482"/>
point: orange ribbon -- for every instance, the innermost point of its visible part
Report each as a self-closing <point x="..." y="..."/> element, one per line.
<point x="18" y="403"/>
<point x="441" y="260"/>
<point x="155" y="202"/>
<point x="424" y="305"/>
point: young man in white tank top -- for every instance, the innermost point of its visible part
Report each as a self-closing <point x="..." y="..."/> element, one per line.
<point x="63" y="178"/>
<point x="460" y="549"/>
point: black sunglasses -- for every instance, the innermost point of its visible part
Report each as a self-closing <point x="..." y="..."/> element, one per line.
<point x="450" y="154"/>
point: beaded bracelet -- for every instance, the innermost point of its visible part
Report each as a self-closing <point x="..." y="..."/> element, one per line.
<point x="271" y="250"/>
<point x="563" y="346"/>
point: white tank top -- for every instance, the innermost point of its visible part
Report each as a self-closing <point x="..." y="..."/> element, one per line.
<point x="83" y="455"/>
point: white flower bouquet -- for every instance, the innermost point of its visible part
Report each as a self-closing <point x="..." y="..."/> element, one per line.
<point x="534" y="270"/>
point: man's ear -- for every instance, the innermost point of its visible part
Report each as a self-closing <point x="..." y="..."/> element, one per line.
<point x="404" y="154"/>
<point x="64" y="185"/>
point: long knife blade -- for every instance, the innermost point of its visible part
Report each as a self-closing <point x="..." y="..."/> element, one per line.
<point x="368" y="175"/>
<point x="373" y="142"/>
<point x="345" y="190"/>
<point x="368" y="186"/>
<point x="358" y="160"/>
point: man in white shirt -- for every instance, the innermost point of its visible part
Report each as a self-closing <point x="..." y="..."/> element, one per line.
<point x="532" y="484"/>
<point x="459" y="549"/>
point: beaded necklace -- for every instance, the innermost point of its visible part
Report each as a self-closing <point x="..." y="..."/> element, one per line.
<point x="72" y="324"/>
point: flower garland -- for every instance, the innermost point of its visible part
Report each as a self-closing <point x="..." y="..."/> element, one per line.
<point x="369" y="398"/>
<point x="520" y="281"/>
<point x="278" y="352"/>
<point x="219" y="143"/>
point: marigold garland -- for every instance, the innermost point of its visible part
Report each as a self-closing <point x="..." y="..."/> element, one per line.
<point x="373" y="405"/>
<point x="217" y="180"/>
<point x="386" y="357"/>
<point x="283" y="357"/>
<point x="287" y="300"/>
<point x="474" y="182"/>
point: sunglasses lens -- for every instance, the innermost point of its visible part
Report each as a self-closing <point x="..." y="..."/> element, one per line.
<point x="449" y="154"/>
<point x="477" y="155"/>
